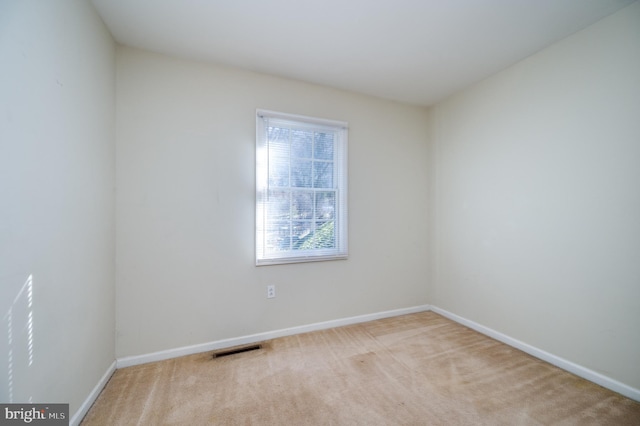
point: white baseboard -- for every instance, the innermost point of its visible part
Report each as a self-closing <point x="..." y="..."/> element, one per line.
<point x="88" y="402"/>
<point x="259" y="337"/>
<point x="569" y="366"/>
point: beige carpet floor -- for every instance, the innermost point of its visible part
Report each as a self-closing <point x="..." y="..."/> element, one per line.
<point x="418" y="369"/>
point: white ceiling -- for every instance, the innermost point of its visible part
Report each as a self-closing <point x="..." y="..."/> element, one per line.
<point x="415" y="51"/>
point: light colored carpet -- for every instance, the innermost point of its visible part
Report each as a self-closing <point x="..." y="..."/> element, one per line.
<point x="418" y="369"/>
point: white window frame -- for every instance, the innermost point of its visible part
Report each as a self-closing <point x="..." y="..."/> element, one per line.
<point x="265" y="256"/>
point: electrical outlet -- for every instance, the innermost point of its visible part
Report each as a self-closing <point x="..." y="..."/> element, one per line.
<point x="271" y="291"/>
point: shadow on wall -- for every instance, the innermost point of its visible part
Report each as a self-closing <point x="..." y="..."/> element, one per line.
<point x="17" y="349"/>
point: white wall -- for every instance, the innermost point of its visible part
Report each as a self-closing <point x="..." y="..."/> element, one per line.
<point x="57" y="174"/>
<point x="185" y="206"/>
<point x="537" y="225"/>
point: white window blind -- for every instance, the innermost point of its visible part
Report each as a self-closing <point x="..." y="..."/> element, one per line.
<point x="301" y="188"/>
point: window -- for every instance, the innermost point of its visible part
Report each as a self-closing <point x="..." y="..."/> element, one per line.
<point x="301" y="188"/>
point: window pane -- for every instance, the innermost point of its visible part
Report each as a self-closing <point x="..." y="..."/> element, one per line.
<point x="278" y="156"/>
<point x="322" y="238"/>
<point x="302" y="231"/>
<point x="325" y="235"/>
<point x="324" y="146"/>
<point x="278" y="172"/>
<point x="279" y="205"/>
<point x="301" y="143"/>
<point x="302" y="205"/>
<point x="301" y="173"/>
<point x="322" y="174"/>
<point x="278" y="236"/>
<point x="277" y="134"/>
<point x="325" y="205"/>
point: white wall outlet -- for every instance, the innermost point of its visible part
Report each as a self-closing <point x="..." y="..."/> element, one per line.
<point x="271" y="291"/>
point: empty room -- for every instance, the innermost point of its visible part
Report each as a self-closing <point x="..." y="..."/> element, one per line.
<point x="320" y="212"/>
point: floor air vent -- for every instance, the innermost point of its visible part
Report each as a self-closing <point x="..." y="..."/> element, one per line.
<point x="234" y="351"/>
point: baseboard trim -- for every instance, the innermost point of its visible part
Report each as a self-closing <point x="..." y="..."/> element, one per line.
<point x="569" y="366"/>
<point x="258" y="337"/>
<point x="88" y="402"/>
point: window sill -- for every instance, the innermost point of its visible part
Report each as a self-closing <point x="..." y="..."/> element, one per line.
<point x="305" y="259"/>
